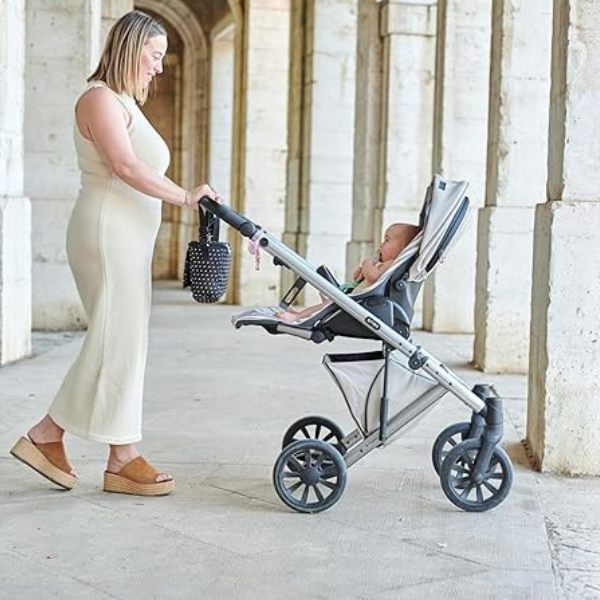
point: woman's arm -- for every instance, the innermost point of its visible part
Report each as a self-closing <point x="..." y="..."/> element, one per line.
<point x="102" y="119"/>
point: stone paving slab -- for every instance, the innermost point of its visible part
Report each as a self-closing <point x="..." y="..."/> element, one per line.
<point x="217" y="404"/>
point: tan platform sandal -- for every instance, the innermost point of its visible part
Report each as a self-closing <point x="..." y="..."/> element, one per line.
<point x="49" y="460"/>
<point x="137" y="477"/>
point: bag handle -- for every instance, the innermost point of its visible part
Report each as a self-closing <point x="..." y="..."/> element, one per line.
<point x="209" y="226"/>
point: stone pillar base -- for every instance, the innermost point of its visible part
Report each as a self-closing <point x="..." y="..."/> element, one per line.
<point x="563" y="420"/>
<point x="15" y="279"/>
<point x="503" y="297"/>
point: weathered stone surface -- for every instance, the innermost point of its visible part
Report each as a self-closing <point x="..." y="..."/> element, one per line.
<point x="564" y="379"/>
<point x="459" y="148"/>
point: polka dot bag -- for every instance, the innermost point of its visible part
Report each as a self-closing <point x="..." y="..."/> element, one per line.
<point x="207" y="262"/>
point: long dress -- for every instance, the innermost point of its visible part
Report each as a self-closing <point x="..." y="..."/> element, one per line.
<point x="110" y="242"/>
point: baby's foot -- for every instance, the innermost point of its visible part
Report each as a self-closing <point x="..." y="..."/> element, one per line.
<point x="287" y="315"/>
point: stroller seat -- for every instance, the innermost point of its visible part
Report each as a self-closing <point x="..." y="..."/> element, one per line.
<point x="391" y="298"/>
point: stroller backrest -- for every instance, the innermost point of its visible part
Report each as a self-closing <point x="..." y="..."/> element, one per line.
<point x="442" y="220"/>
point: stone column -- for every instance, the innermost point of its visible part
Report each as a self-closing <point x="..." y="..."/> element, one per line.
<point x="62" y="49"/>
<point x="221" y="110"/>
<point x="459" y="149"/>
<point x="563" y="419"/>
<point x="15" y="210"/>
<point x="260" y="139"/>
<point x="323" y="215"/>
<point x="408" y="30"/>
<point x="112" y="11"/>
<point x="366" y="189"/>
<point x="517" y="157"/>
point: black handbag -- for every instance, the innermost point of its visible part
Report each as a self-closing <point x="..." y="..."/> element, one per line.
<point x="207" y="262"/>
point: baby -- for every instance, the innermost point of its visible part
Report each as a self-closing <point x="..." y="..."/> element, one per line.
<point x="397" y="237"/>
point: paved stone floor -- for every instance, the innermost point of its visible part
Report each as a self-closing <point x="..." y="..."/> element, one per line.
<point x="217" y="403"/>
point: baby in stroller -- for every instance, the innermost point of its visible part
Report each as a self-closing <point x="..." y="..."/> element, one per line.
<point x="396" y="238"/>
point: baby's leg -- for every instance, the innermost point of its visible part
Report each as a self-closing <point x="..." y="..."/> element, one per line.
<point x="291" y="315"/>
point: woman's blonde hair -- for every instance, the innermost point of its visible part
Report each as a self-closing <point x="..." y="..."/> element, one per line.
<point x="119" y="65"/>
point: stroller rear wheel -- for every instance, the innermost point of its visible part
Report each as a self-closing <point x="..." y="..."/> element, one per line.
<point x="459" y="485"/>
<point x="448" y="439"/>
<point x="309" y="476"/>
<point x="315" y="428"/>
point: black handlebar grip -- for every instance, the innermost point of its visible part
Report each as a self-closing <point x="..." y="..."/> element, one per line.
<point x="244" y="225"/>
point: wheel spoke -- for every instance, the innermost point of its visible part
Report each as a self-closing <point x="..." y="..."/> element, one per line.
<point x="460" y="482"/>
<point x="328" y="436"/>
<point x="305" y="432"/>
<point x="460" y="469"/>
<point x="290" y="475"/>
<point x="292" y="488"/>
<point x="490" y="475"/>
<point x="328" y="484"/>
<point x="467" y="459"/>
<point x="304" y="495"/>
<point x="467" y="491"/>
<point x="479" y="495"/>
<point x="452" y="441"/>
<point x="493" y="490"/>
<point x="318" y="493"/>
<point x="323" y="456"/>
<point x="294" y="464"/>
<point x="329" y="472"/>
<point x="318" y="431"/>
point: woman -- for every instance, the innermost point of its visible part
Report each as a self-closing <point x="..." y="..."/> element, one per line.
<point x="110" y="241"/>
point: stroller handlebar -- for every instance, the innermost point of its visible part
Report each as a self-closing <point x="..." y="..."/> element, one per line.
<point x="244" y="225"/>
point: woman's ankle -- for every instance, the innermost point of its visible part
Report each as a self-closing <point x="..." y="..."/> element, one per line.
<point x="119" y="456"/>
<point x="46" y="431"/>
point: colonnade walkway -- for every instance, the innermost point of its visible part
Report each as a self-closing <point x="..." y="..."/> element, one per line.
<point x="218" y="401"/>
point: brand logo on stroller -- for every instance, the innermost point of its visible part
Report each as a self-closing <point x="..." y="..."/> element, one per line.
<point x="372" y="323"/>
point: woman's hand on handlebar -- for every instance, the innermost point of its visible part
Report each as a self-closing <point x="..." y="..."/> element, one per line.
<point x="204" y="190"/>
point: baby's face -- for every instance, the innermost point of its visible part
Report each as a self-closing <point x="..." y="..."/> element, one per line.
<point x="393" y="243"/>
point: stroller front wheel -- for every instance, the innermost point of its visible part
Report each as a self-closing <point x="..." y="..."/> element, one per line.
<point x="309" y="476"/>
<point x="457" y="480"/>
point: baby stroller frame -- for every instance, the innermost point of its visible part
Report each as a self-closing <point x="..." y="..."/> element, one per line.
<point x="310" y="473"/>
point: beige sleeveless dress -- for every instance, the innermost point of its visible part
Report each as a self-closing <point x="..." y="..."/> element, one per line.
<point x="110" y="242"/>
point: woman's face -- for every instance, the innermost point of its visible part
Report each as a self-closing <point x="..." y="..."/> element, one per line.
<point x="152" y="58"/>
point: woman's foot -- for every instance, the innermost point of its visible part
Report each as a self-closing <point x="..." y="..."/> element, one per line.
<point x="43" y="450"/>
<point x="120" y="456"/>
<point x="129" y="473"/>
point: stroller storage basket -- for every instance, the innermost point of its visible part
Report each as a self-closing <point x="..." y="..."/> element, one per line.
<point x="360" y="379"/>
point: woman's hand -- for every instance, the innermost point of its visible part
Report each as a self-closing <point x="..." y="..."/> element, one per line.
<point x="201" y="191"/>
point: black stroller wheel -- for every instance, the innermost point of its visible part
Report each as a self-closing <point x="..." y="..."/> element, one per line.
<point x="315" y="428"/>
<point x="309" y="476"/>
<point x="458" y="485"/>
<point x="448" y="439"/>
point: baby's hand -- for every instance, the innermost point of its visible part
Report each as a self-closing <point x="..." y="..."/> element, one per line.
<point x="357" y="275"/>
<point x="368" y="262"/>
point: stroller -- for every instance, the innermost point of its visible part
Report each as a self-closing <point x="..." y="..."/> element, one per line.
<point x="386" y="390"/>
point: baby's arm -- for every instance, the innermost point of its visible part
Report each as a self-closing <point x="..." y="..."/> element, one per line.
<point x="372" y="271"/>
